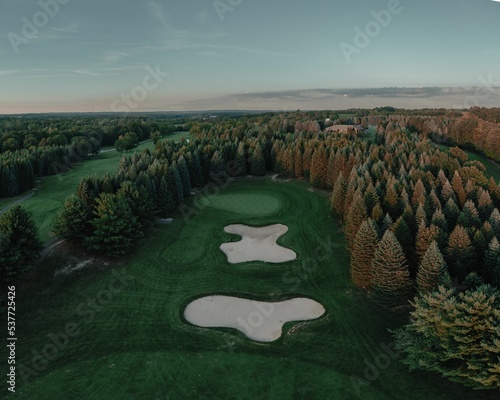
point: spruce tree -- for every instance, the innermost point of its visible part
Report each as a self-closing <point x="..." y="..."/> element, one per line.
<point x="391" y="281"/>
<point x="116" y="229"/>
<point x="258" y="163"/>
<point x="363" y="249"/>
<point x="431" y="269"/>
<point x="19" y="243"/>
<point x="338" y="197"/>
<point x="356" y="216"/>
<point x="73" y="221"/>
<point x="492" y="262"/>
<point x="319" y="166"/>
<point x="460" y="253"/>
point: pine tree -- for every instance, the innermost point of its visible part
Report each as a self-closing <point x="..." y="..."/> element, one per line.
<point x="241" y="159"/>
<point x="319" y="167"/>
<point x="338" y="196"/>
<point x="217" y="165"/>
<point x="451" y="212"/>
<point x="469" y="217"/>
<point x="73" y="221"/>
<point x="298" y="163"/>
<point x="116" y="228"/>
<point x="420" y="216"/>
<point x="455" y="336"/>
<point x="184" y="175"/>
<point x="405" y="238"/>
<point x="363" y="249"/>
<point x="356" y="216"/>
<point x="165" y="200"/>
<point x="19" y="243"/>
<point x="391" y="281"/>
<point x="174" y="185"/>
<point x="485" y="205"/>
<point x="431" y="269"/>
<point x="258" y="163"/>
<point x="392" y="203"/>
<point x="494" y="221"/>
<point x="460" y="253"/>
<point x="447" y="192"/>
<point x="492" y="262"/>
<point x="458" y="188"/>
<point x="425" y="236"/>
<point x="419" y="194"/>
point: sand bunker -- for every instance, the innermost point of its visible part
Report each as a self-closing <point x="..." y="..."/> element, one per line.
<point x="259" y="321"/>
<point x="257" y="244"/>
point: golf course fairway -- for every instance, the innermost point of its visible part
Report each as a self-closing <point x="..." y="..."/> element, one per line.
<point x="116" y="329"/>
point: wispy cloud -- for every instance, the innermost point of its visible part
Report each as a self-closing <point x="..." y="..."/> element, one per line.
<point x="113" y="56"/>
<point x="73" y="28"/>
<point x="8" y="72"/>
<point x="156" y="11"/>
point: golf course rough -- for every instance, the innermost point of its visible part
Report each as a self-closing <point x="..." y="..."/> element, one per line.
<point x="259" y="321"/>
<point x="257" y="244"/>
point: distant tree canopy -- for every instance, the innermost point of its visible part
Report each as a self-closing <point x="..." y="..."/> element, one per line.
<point x="127" y="142"/>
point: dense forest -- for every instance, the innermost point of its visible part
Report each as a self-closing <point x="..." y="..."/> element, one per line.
<point x="422" y="226"/>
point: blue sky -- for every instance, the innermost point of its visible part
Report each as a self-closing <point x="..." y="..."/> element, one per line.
<point x="90" y="53"/>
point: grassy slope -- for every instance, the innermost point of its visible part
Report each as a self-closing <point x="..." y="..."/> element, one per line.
<point x="53" y="190"/>
<point x="137" y="346"/>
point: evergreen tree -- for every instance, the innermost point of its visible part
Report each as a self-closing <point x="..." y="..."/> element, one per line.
<point x="456" y="337"/>
<point x="338" y="197"/>
<point x="241" y="159"/>
<point x="184" y="175"/>
<point x="431" y="269"/>
<point x="492" y="263"/>
<point x="165" y="200"/>
<point x="116" y="228"/>
<point x="405" y="238"/>
<point x="451" y="212"/>
<point x="363" y="249"/>
<point x="485" y="205"/>
<point x="458" y="188"/>
<point x="460" y="253"/>
<point x="258" y="163"/>
<point x="19" y="243"/>
<point x="391" y="281"/>
<point x="73" y="221"/>
<point x="319" y="166"/>
<point x="356" y="216"/>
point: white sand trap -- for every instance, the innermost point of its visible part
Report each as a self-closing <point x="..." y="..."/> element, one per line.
<point x="259" y="321"/>
<point x="257" y="244"/>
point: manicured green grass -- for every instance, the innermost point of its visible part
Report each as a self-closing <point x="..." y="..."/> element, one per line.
<point x="178" y="136"/>
<point x="137" y="346"/>
<point x="492" y="169"/>
<point x="254" y="204"/>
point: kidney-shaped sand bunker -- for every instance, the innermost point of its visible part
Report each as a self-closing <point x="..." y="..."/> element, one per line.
<point x="257" y="244"/>
<point x="259" y="321"/>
